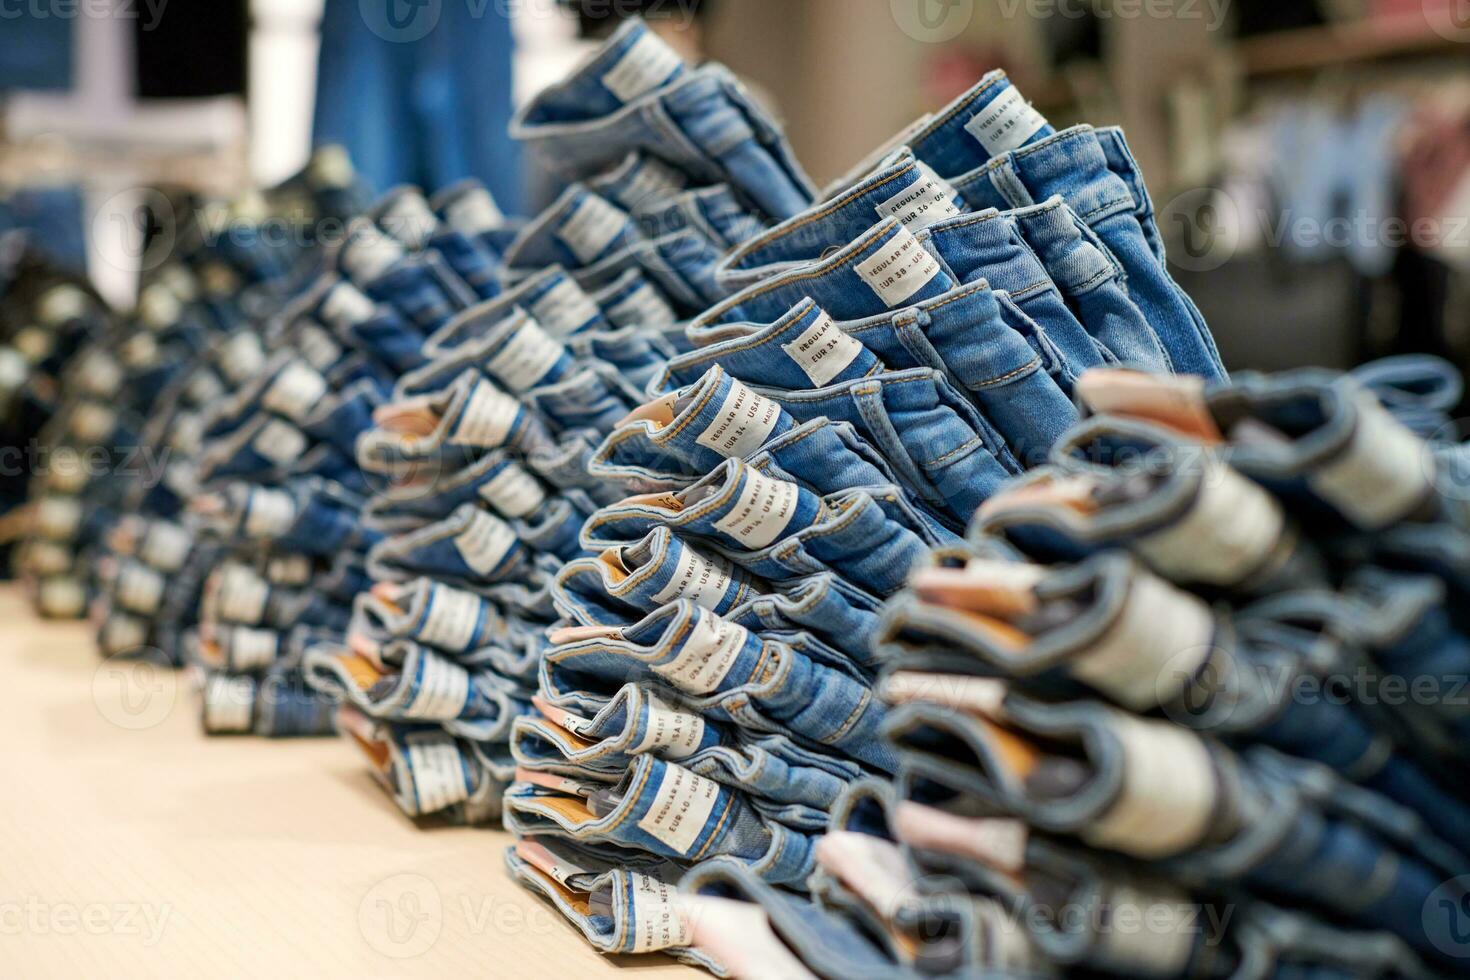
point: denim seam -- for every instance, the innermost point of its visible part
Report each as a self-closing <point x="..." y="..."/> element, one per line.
<point x="823" y="267"/>
<point x="1001" y="379"/>
<point x="803" y="221"/>
<point x="852" y="718"/>
<point x="961" y="107"/>
<point x="962" y="450"/>
<point x="667" y="434"/>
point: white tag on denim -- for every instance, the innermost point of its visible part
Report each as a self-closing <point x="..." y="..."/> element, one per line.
<point x="670" y="733"/>
<point x="121" y="633"/>
<point x="295" y="391"/>
<point x="591" y="228"/>
<point x="58" y="518"/>
<point x="443" y="689"/>
<point x="702" y="579"/>
<point x="645" y="66"/>
<point x="346" y="305"/>
<point x="484" y="542"/>
<point x="166" y="546"/>
<point x="822" y="350"/>
<point x="900" y="268"/>
<point x="652" y="183"/>
<point x="657" y="922"/>
<point x="513" y="492"/>
<point x="229" y="703"/>
<point x="44" y="558"/>
<point x="268" y="513"/>
<point x="1231" y="531"/>
<point x="564" y="308"/>
<point x="437" y="772"/>
<point x="288" y="570"/>
<point x="488" y="416"/>
<point x="451" y="618"/>
<point x="242" y="357"/>
<point x="1166" y="793"/>
<point x="139" y="588"/>
<point x="1006" y="123"/>
<point x="1383" y="473"/>
<point x="252" y="648"/>
<point x="680" y="808"/>
<point x="706" y="654"/>
<point x="742" y="423"/>
<point x="525" y="357"/>
<point x="1153" y="649"/>
<point x="761" y="511"/>
<point x="409" y="220"/>
<point x="643" y="307"/>
<point x="1165" y="946"/>
<point x="279" y="442"/>
<point x="317" y="346"/>
<point x="93" y="422"/>
<point x="242" y="595"/>
<point x="203" y="387"/>
<point x="474" y="212"/>
<point x="922" y="203"/>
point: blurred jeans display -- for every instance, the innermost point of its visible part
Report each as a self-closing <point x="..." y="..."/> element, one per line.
<point x="880" y="582"/>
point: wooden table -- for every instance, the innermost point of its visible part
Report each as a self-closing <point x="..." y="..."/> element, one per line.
<point x="131" y="845"/>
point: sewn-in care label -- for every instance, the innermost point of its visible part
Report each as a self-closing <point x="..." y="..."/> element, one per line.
<point x="525" y="357"/>
<point x="268" y="513"/>
<point x="488" y="416"/>
<point x="485" y="542"/>
<point x="166" y="546"/>
<point x="252" y="648"/>
<point x="643" y="307"/>
<point x="452" y="618"/>
<point x="513" y="492"/>
<point x="346" y="305"/>
<point x="652" y="181"/>
<point x="474" y="212"/>
<point x="761" y="511"/>
<point x="295" y="391"/>
<point x="645" y="66"/>
<point x="280" y="442"/>
<point x="922" y="203"/>
<point x="591" y="228"/>
<point x="443" y="689"/>
<point x="742" y="423"/>
<point x="899" y="269"/>
<point x="681" y="808"/>
<point x="1006" y="123"/>
<point x="822" y="350"/>
<point x="242" y="595"/>
<point x="706" y="655"/>
<point x="702" y="579"/>
<point x="437" y="772"/>
<point x="656" y="922"/>
<point x="564" y="308"/>
<point x="139" y="588"/>
<point x="669" y="733"/>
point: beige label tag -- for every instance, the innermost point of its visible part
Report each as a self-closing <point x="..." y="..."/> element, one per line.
<point x="742" y="424"/>
<point x="822" y="350"/>
<point x="681" y="807"/>
<point x="899" y="269"/>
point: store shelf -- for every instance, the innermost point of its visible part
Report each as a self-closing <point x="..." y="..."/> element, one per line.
<point x="134" y="846"/>
<point x="1314" y="48"/>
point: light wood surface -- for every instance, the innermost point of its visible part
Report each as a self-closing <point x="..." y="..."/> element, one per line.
<point x="131" y="845"/>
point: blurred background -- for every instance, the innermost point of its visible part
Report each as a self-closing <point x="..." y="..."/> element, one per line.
<point x="1309" y="160"/>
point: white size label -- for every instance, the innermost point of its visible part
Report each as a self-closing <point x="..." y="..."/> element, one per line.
<point x="742" y="423"/>
<point x="288" y="570"/>
<point x="229" y="704"/>
<point x="204" y="387"/>
<point x="1006" y="123"/>
<point x="513" y="492"/>
<point x="643" y="307"/>
<point x="442" y="689"/>
<point x="436" y="771"/>
<point x="646" y="65"/>
<point x="295" y="391"/>
<point x="139" y="589"/>
<point x="681" y="808"/>
<point x="58" y="518"/>
<point x="525" y="357"/>
<point x="251" y="648"/>
<point x="317" y="346"/>
<point x="703" y="580"/>
<point x="166" y="546"/>
<point x="279" y="442"/>
<point x="822" y="350"/>
<point x="1383" y="473"/>
<point x="668" y="732"/>
<point x="268" y="513"/>
<point x="409" y="220"/>
<point x="241" y="357"/>
<point x="485" y="542"/>
<point x="564" y="308"/>
<point x="651" y="183"/>
<point x="656" y="920"/>
<point x="591" y="228"/>
<point x="899" y="269"/>
<point x="474" y="212"/>
<point x="927" y="200"/>
<point x="488" y="416"/>
<point x="93" y="422"/>
<point x="242" y="595"/>
<point x="707" y="653"/>
<point x="452" y="619"/>
<point x="761" y="511"/>
<point x="345" y="305"/>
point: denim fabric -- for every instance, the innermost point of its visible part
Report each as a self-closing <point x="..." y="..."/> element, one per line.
<point x="376" y="329"/>
<point x="631" y="300"/>
<point x="715" y="213"/>
<point x="635" y="94"/>
<point x="682" y="263"/>
<point x="551" y="297"/>
<point x="639" y="181"/>
<point x="825" y="604"/>
<point x="471" y="546"/>
<point x="984" y="122"/>
<point x="1071" y="164"/>
<point x="468" y="207"/>
<point x="579" y="229"/>
<point x="419" y="285"/>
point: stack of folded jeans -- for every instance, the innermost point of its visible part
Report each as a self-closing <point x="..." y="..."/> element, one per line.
<point x="1187" y="702"/>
